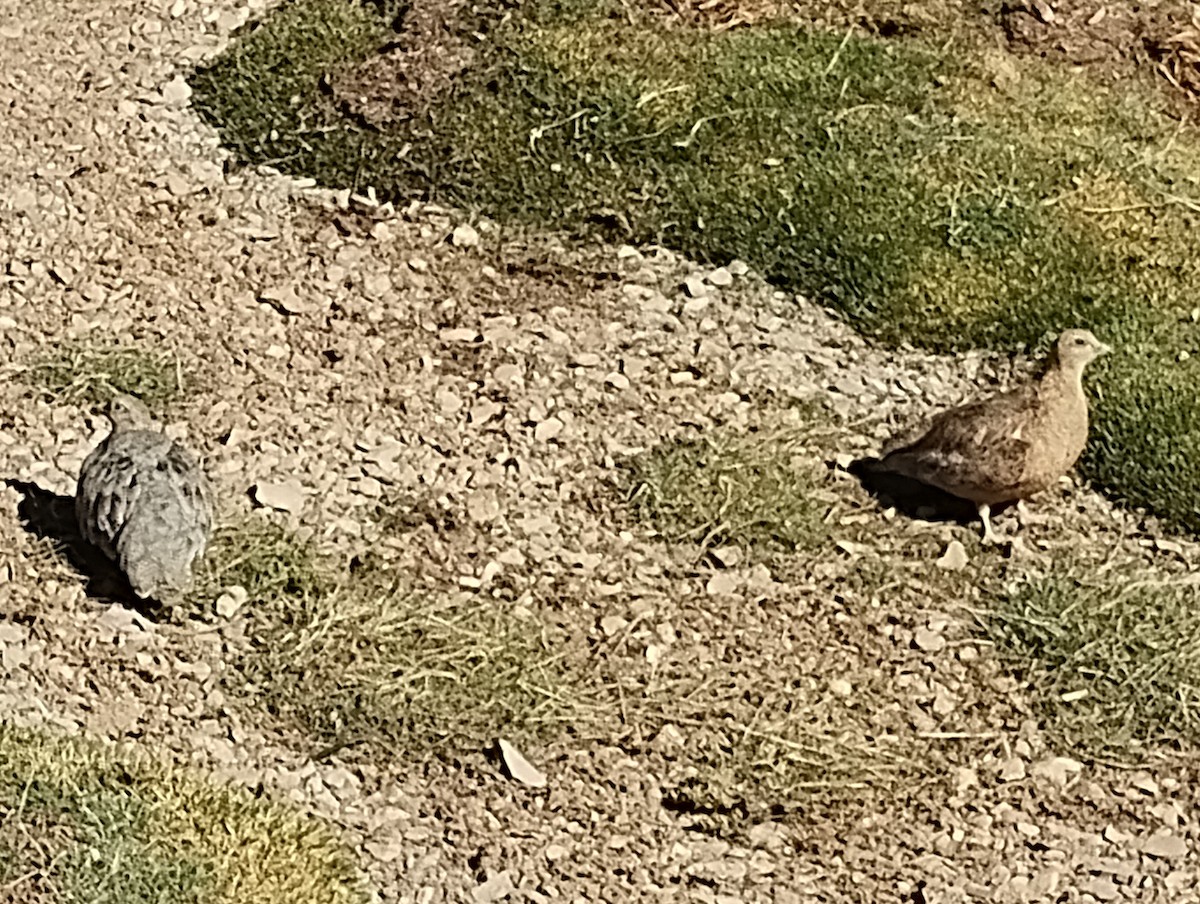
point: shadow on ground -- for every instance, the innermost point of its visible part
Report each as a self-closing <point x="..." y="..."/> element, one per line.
<point x="49" y="516"/>
<point x="912" y="498"/>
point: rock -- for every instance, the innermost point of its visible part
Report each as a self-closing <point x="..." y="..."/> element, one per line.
<point x="721" y="277"/>
<point x="954" y="558"/>
<point x="177" y="91"/>
<point x="726" y="556"/>
<point x="1101" y="888"/>
<point x="520" y="768"/>
<point x="287" y="496"/>
<point x="694" y="287"/>
<point x="496" y="888"/>
<point x="612" y="625"/>
<point x="1059" y="770"/>
<point x="722" y="584"/>
<point x="547" y="429"/>
<point x="928" y="640"/>
<point x="1166" y="846"/>
<point x="1012" y="769"/>
<point x="232" y="599"/>
<point x="465" y="236"/>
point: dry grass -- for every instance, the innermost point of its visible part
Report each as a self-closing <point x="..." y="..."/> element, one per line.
<point x="356" y="659"/>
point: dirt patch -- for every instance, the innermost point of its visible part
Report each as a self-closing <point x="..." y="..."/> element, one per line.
<point x="410" y="73"/>
<point x="1111" y="40"/>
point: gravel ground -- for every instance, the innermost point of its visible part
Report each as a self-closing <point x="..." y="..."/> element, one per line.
<point x="369" y="353"/>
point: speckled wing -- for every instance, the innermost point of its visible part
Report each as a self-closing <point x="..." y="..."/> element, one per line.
<point x="978" y="451"/>
<point x="144" y="501"/>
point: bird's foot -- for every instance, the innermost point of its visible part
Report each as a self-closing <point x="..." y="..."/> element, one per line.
<point x="989" y="535"/>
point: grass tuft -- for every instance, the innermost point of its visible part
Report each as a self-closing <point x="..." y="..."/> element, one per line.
<point x="356" y="659"/>
<point x="86" y="375"/>
<point x="1115" y="668"/>
<point x="82" y="822"/>
<point x="753" y="489"/>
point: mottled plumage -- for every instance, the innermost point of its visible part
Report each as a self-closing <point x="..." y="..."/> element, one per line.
<point x="143" y="500"/>
<point x="1011" y="445"/>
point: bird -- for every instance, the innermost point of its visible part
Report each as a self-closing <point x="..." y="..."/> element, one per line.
<point x="1009" y="446"/>
<point x="144" y="501"/>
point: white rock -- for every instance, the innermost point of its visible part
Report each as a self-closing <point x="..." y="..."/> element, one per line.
<point x="929" y="641"/>
<point x="721" y="277"/>
<point x="232" y="599"/>
<point x="954" y="558"/>
<point x="519" y="767"/>
<point x="465" y="236"/>
<point x="496" y="888"/>
<point x="547" y="429"/>
<point x="1165" y="846"/>
<point x="177" y="91"/>
<point x="722" y="584"/>
<point x="1058" y="769"/>
<point x="1012" y="769"/>
<point x="611" y="625"/>
<point x="287" y="496"/>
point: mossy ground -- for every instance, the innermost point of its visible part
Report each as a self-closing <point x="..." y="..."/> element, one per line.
<point x="82" y="822"/>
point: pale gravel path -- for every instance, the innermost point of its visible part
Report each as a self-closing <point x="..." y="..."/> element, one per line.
<point x="118" y="218"/>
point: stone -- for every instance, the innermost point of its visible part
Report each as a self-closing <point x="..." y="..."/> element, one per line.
<point x="520" y="768"/>
<point x="465" y="236"/>
<point x="721" y="277"/>
<point x="1012" y="769"/>
<point x="954" y="558"/>
<point x="1165" y="846"/>
<point x="287" y="496"/>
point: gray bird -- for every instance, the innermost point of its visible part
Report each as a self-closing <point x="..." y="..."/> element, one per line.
<point x="1010" y="446"/>
<point x="144" y="502"/>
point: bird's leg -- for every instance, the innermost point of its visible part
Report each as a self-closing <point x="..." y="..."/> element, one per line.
<point x="985" y="515"/>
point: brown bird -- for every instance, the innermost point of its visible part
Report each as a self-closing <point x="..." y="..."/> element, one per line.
<point x="1009" y="446"/>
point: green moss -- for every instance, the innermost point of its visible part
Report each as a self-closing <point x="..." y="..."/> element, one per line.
<point x="1115" y="668"/>
<point x="755" y="489"/>
<point x="889" y="178"/>
<point x="94" y="375"/>
<point x="98" y="825"/>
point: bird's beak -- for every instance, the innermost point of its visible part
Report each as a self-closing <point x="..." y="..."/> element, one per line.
<point x="1103" y="349"/>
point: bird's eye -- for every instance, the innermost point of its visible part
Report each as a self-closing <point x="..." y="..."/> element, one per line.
<point x="1080" y="341"/>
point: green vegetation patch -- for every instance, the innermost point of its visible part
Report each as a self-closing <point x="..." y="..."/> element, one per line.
<point x="934" y="194"/>
<point x="1114" y="667"/>
<point x="359" y="659"/>
<point x="81" y="822"/>
<point x="754" y="489"/>
<point x="93" y="375"/>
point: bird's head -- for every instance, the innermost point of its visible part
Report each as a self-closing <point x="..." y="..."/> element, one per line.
<point x="129" y="413"/>
<point x="1075" y="349"/>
